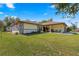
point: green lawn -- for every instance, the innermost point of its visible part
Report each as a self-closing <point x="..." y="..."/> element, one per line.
<point x="39" y="44"/>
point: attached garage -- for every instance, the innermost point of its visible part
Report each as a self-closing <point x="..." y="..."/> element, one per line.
<point x="24" y="27"/>
<point x="29" y="28"/>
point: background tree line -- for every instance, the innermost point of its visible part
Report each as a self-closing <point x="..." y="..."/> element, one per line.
<point x="9" y="20"/>
<point x="6" y="22"/>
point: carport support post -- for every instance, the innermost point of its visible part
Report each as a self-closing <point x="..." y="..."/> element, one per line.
<point x="50" y="29"/>
<point x="42" y="28"/>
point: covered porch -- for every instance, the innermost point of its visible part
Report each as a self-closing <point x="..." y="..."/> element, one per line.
<point x="47" y="28"/>
<point x="53" y="28"/>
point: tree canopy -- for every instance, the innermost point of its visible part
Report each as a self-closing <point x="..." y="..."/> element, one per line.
<point x="1" y="24"/>
<point x="46" y="20"/>
<point x="9" y="20"/>
<point x="67" y="9"/>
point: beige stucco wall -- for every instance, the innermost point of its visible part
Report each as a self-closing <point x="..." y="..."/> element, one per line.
<point x="58" y="26"/>
<point x="30" y="26"/>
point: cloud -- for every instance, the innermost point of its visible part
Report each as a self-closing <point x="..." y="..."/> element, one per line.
<point x="1" y="13"/>
<point x="10" y="5"/>
<point x="45" y="14"/>
<point x="52" y="6"/>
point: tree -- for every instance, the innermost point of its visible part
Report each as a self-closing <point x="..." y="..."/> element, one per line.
<point x="17" y="19"/>
<point x="69" y="29"/>
<point x="43" y="21"/>
<point x="74" y="26"/>
<point x="47" y="20"/>
<point x="7" y="21"/>
<point x="11" y="19"/>
<point x="1" y="24"/>
<point x="2" y="27"/>
<point x="50" y="19"/>
<point x="67" y="9"/>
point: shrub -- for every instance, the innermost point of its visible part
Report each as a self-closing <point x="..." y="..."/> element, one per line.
<point x="16" y="33"/>
<point x="2" y="29"/>
<point x="69" y="29"/>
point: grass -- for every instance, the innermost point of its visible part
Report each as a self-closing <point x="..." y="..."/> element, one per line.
<point x="48" y="44"/>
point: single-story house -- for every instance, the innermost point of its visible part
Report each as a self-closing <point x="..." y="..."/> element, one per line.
<point x="24" y="27"/>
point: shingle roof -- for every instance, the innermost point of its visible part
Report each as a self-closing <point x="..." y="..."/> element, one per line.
<point x="51" y="23"/>
<point x="30" y="22"/>
<point x="36" y="23"/>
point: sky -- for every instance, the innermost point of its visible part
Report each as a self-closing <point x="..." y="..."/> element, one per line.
<point x="34" y="12"/>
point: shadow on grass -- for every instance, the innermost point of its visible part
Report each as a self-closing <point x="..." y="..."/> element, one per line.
<point x="30" y="34"/>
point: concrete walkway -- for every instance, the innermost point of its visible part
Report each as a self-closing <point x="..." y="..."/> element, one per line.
<point x="65" y="33"/>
